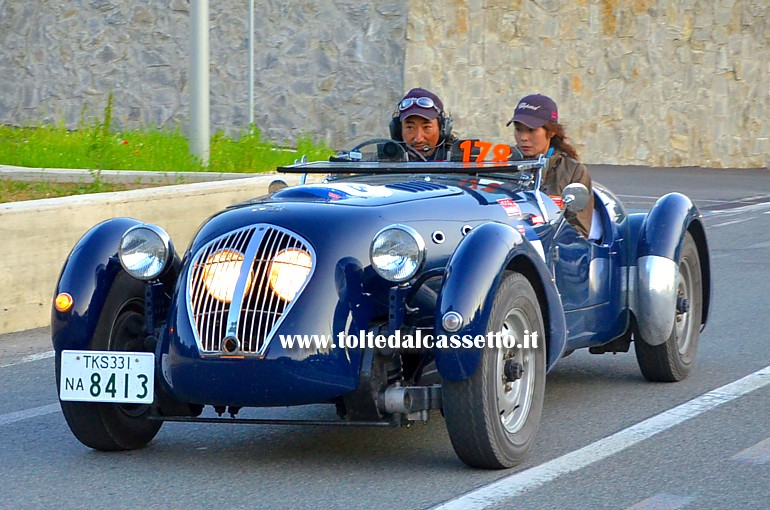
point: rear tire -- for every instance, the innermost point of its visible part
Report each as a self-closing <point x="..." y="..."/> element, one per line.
<point x="114" y="427"/>
<point x="672" y="360"/>
<point x="492" y="422"/>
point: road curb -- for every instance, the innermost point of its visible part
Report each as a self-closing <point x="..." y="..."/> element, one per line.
<point x="20" y="173"/>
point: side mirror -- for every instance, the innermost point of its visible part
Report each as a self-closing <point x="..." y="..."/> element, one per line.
<point x="516" y="154"/>
<point x="276" y="185"/>
<point x="574" y="197"/>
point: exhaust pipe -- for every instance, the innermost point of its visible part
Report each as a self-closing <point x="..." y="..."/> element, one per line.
<point x="399" y="399"/>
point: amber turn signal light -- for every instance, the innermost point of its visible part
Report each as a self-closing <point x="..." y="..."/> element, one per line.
<point x="63" y="302"/>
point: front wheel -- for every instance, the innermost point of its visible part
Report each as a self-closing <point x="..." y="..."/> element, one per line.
<point x="114" y="427"/>
<point x="672" y="360"/>
<point x="493" y="416"/>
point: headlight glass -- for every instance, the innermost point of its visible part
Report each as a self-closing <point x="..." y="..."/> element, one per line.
<point x="220" y="274"/>
<point x="145" y="251"/>
<point x="397" y="252"/>
<point x="289" y="271"/>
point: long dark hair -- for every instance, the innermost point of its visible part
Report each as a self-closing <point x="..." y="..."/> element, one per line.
<point x="559" y="139"/>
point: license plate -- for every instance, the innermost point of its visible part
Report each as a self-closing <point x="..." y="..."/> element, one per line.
<point x="107" y="376"/>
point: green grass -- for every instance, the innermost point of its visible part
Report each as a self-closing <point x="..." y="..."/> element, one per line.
<point x="97" y="148"/>
<point x="16" y="191"/>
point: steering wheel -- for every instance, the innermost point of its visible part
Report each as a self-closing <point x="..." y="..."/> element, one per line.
<point x="392" y="148"/>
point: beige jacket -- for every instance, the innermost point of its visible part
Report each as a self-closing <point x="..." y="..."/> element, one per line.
<point x="562" y="170"/>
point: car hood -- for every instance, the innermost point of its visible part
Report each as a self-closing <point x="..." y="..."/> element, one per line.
<point x="363" y="194"/>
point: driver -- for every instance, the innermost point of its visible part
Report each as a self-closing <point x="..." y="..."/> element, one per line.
<point x="421" y="123"/>
<point x="538" y="132"/>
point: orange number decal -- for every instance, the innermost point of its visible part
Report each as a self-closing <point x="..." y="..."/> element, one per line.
<point x="501" y="153"/>
<point x="484" y="146"/>
<point x="466" y="147"/>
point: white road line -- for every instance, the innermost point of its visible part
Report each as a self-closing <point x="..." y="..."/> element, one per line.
<point x="757" y="454"/>
<point x="31" y="357"/>
<point x="725" y="223"/>
<point x="26" y="414"/>
<point x="518" y="483"/>
<point x="741" y="209"/>
<point x="639" y="196"/>
<point x="663" y="502"/>
<point x="654" y="198"/>
<point x="763" y="244"/>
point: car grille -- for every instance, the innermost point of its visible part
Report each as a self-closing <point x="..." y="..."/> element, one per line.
<point x="254" y="311"/>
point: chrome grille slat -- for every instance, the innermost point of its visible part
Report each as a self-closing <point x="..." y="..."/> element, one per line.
<point x="266" y="289"/>
<point x="233" y="316"/>
<point x="264" y="274"/>
<point x="253" y="314"/>
<point x="218" y="326"/>
<point x="201" y="302"/>
<point x="214" y="330"/>
<point x="261" y="268"/>
<point x="262" y="281"/>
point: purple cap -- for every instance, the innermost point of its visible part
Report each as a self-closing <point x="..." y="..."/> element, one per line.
<point x="534" y="111"/>
<point x="429" y="113"/>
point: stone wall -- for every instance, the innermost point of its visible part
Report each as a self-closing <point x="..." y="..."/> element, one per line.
<point x="655" y="82"/>
<point x="332" y="69"/>
<point x="652" y="82"/>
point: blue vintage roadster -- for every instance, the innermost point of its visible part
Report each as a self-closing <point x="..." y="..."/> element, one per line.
<point x="450" y="253"/>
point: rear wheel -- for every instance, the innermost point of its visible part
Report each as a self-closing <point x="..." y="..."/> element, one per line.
<point x="672" y="360"/>
<point x="493" y="416"/>
<point x="114" y="427"/>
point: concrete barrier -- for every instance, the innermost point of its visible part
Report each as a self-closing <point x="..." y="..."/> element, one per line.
<point x="37" y="235"/>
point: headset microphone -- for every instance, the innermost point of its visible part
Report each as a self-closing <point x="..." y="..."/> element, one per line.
<point x="426" y="148"/>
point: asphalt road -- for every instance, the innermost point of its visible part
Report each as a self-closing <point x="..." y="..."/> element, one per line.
<point x="608" y="438"/>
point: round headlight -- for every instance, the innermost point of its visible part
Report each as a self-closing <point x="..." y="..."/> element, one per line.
<point x="221" y="272"/>
<point x="145" y="251"/>
<point x="397" y="252"/>
<point x="289" y="271"/>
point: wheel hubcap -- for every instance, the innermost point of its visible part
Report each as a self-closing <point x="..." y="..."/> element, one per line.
<point x="683" y="325"/>
<point x="514" y="397"/>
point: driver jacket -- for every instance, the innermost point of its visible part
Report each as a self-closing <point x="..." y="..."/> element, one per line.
<point x="562" y="170"/>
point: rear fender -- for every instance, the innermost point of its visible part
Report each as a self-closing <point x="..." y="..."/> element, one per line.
<point x="472" y="277"/>
<point x="660" y="240"/>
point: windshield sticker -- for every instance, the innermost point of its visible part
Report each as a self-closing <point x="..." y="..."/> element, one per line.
<point x="510" y="206"/>
<point x="557" y="200"/>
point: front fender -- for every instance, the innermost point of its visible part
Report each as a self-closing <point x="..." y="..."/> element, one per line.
<point x="470" y="284"/>
<point x="88" y="275"/>
<point x="660" y="240"/>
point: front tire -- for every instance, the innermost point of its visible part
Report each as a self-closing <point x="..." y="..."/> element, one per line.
<point x="492" y="420"/>
<point x="672" y="360"/>
<point x="114" y="427"/>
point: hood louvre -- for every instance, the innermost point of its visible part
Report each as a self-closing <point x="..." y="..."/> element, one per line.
<point x="417" y="186"/>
